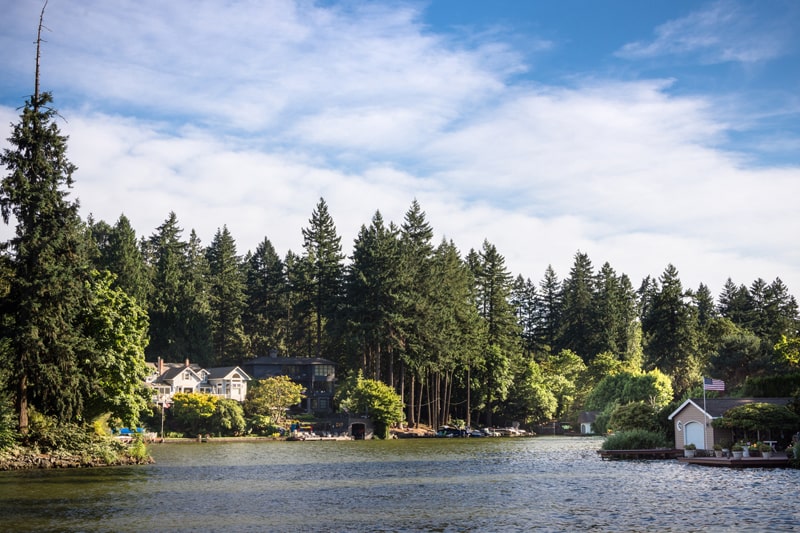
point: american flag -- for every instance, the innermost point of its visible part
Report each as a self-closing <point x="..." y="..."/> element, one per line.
<point x="713" y="384"/>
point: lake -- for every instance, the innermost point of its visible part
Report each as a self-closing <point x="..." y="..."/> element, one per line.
<point x="480" y="484"/>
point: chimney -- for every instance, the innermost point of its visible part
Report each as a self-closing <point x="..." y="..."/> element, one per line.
<point x="160" y="366"/>
<point x="187" y="362"/>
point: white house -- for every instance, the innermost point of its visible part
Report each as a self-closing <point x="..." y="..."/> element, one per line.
<point x="169" y="378"/>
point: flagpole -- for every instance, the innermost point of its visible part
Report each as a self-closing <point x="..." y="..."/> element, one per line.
<point x="705" y="413"/>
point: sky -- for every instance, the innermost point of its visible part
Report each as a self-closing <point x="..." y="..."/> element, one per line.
<point x="642" y="134"/>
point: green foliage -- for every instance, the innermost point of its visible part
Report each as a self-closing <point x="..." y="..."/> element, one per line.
<point x="376" y="400"/>
<point x="758" y="416"/>
<point x="194" y="411"/>
<point x="226" y="298"/>
<point x="670" y="332"/>
<point x="634" y="415"/>
<point x="775" y="386"/>
<point x="635" y="439"/>
<point x="263" y="425"/>
<point x="48" y="262"/>
<point x="113" y="354"/>
<point x="272" y="397"/>
<point x="625" y="387"/>
<point x="228" y="419"/>
<point x="8" y="433"/>
<point x="789" y="350"/>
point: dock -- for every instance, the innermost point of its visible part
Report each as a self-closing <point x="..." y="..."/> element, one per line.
<point x="781" y="461"/>
<point x="651" y="453"/>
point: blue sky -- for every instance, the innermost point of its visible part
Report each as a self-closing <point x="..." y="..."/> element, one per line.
<point x="640" y="133"/>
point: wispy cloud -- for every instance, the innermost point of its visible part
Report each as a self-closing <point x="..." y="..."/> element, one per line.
<point x="726" y="31"/>
<point x="246" y="113"/>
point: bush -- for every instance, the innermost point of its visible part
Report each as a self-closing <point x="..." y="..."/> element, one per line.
<point x="8" y="424"/>
<point x="634" y="415"/>
<point x="636" y="439"/>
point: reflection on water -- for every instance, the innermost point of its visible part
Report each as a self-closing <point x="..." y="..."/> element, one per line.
<point x="549" y="484"/>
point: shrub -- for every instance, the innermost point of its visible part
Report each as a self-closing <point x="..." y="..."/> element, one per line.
<point x="8" y="424"/>
<point x="634" y="415"/>
<point x="636" y="439"/>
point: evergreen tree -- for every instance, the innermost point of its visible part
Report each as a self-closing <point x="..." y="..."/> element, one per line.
<point x="266" y="292"/>
<point x="524" y="299"/>
<point x="324" y="275"/>
<point x="670" y="332"/>
<point x="226" y="299"/>
<point x="373" y="282"/>
<point x="49" y="259"/>
<point x="501" y="335"/>
<point x="168" y="306"/>
<point x="549" y="309"/>
<point x="195" y="304"/>
<point x="118" y="251"/>
<point x="734" y="303"/>
<point x="578" y="312"/>
<point x="414" y="299"/>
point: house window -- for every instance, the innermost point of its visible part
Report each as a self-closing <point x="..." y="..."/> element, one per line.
<point x="323" y="370"/>
<point x="187" y="375"/>
<point x="322" y="403"/>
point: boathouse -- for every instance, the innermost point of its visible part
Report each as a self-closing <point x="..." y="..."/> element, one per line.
<point x="692" y="420"/>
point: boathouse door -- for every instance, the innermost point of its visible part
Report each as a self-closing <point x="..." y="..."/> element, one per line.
<point x="693" y="434"/>
<point x="358" y="431"/>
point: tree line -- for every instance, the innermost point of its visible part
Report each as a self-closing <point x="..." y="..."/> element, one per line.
<point x="457" y="335"/>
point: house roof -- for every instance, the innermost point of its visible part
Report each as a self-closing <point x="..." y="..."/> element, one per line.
<point x="173" y="372"/>
<point x="587" y="417"/>
<point x="267" y="360"/>
<point x="223" y="372"/>
<point x="716" y="407"/>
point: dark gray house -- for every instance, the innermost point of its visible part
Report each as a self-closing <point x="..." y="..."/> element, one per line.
<point x="316" y="375"/>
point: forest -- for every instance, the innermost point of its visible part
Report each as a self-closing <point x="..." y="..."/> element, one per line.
<point x="454" y="333"/>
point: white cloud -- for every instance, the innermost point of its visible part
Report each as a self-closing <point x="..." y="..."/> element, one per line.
<point x="724" y="31"/>
<point x="246" y="114"/>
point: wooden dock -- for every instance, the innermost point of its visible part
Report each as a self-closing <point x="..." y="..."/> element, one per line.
<point x="745" y="462"/>
<point x="652" y="453"/>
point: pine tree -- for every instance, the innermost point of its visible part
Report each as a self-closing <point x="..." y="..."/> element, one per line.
<point x="414" y="299"/>
<point x="266" y="292"/>
<point x="118" y="251"/>
<point x="373" y="281"/>
<point x="324" y="261"/>
<point x="49" y="259"/>
<point x="168" y="306"/>
<point x="670" y="333"/>
<point x="578" y="312"/>
<point x="226" y="299"/>
<point x="549" y="309"/>
<point x="500" y="344"/>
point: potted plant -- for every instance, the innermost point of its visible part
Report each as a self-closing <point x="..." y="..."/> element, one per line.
<point x="745" y="449"/>
<point x="718" y="450"/>
<point x="737" y="450"/>
<point x="754" y="450"/>
<point x="689" y="450"/>
<point x="766" y="450"/>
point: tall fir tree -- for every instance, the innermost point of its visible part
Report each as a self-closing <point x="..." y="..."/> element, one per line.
<point x="49" y="258"/>
<point x="670" y="333"/>
<point x="549" y="309"/>
<point x="579" y="318"/>
<point x="373" y="281"/>
<point x="266" y="294"/>
<point x="325" y="269"/>
<point x="226" y="299"/>
<point x="414" y="295"/>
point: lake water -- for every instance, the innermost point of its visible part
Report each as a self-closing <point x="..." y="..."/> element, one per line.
<point x="489" y="484"/>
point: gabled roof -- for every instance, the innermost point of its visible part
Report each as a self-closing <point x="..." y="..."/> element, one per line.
<point x="225" y="372"/>
<point x="174" y="371"/>
<point x="716" y="407"/>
